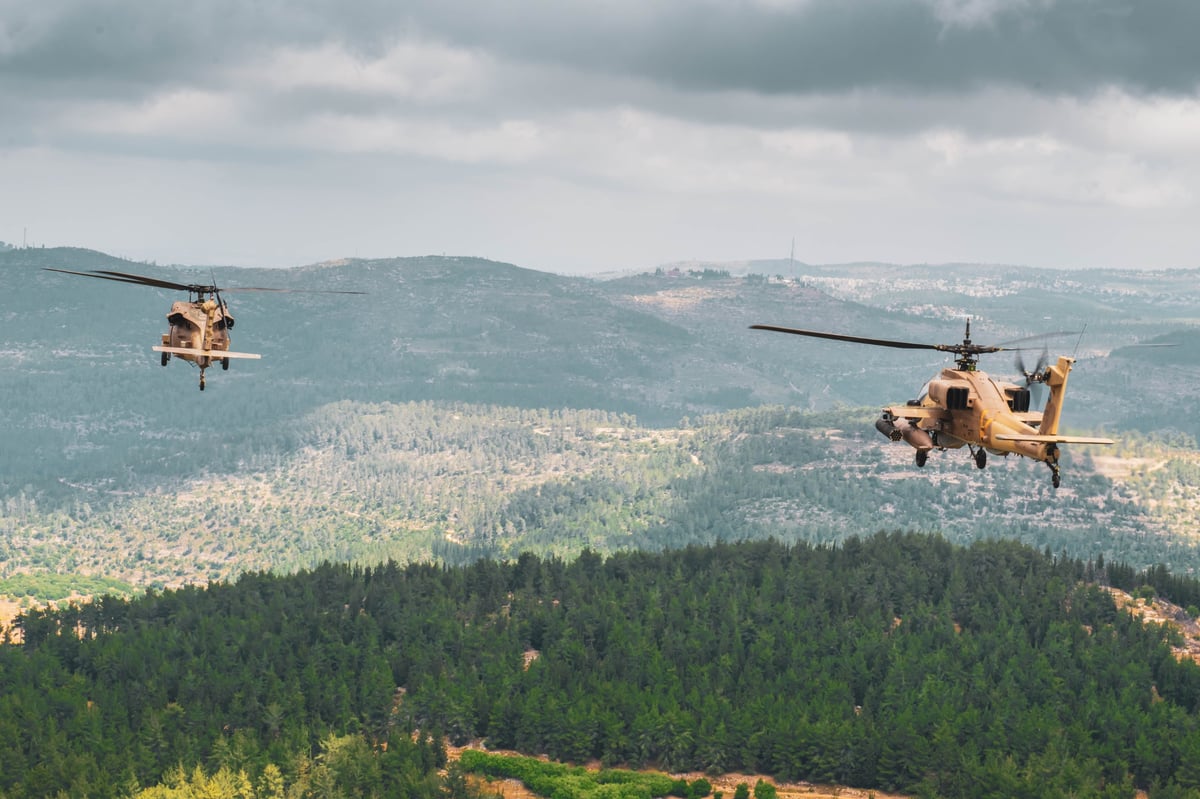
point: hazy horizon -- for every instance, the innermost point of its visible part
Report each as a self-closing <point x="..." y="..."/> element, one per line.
<point x="730" y="264"/>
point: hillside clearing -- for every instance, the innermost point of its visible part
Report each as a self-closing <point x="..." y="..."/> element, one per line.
<point x="726" y="784"/>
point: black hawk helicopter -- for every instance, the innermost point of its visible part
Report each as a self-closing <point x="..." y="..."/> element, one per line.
<point x="198" y="327"/>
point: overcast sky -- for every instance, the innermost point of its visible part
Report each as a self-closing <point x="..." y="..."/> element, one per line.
<point x="579" y="136"/>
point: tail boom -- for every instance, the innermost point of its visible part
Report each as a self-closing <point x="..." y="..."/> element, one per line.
<point x="1055" y="439"/>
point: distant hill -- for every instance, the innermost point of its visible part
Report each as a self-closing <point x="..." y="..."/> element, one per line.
<point x="99" y="437"/>
<point x="84" y="395"/>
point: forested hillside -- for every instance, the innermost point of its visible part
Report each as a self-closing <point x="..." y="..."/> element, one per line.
<point x="464" y="407"/>
<point x="898" y="662"/>
<point x="369" y="482"/>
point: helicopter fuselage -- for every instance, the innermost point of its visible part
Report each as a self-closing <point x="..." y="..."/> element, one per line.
<point x="200" y="325"/>
<point x="199" y="334"/>
<point x="967" y="407"/>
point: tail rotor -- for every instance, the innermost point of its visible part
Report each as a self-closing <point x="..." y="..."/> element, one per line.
<point x="1036" y="376"/>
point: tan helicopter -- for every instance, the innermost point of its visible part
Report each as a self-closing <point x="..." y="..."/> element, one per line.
<point x="199" y="328"/>
<point x="965" y="407"/>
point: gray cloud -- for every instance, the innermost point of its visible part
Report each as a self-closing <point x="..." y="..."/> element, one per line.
<point x="734" y="117"/>
<point x="882" y="65"/>
<point x="1069" y="46"/>
<point x="1065" y="47"/>
<point x="819" y="46"/>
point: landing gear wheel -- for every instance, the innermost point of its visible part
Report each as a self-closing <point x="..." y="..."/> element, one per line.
<point x="225" y="364"/>
<point x="1055" y="480"/>
<point x="201" y="381"/>
<point x="166" y="356"/>
<point x="922" y="456"/>
<point x="981" y="458"/>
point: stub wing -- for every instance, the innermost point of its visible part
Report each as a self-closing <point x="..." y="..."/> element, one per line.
<point x="1053" y="439"/>
<point x="216" y="355"/>
<point x="917" y="412"/>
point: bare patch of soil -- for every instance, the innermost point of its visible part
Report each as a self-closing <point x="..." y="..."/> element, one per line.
<point x="1120" y="468"/>
<point x="727" y="784"/>
<point x="1160" y="611"/>
<point x="9" y="610"/>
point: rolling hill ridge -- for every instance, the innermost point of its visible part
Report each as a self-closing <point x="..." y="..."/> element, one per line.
<point x="464" y="407"/>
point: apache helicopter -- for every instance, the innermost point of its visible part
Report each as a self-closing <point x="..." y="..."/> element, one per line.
<point x="965" y="407"/>
<point x="199" y="327"/>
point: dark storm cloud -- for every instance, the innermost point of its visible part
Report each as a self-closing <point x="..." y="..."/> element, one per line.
<point x="828" y="46"/>
<point x="820" y="46"/>
<point x="1068" y="47"/>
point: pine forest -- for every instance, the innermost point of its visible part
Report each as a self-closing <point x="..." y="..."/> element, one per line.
<point x="898" y="662"/>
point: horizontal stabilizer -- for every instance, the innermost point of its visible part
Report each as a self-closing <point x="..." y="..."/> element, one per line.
<point x="216" y="355"/>
<point x="1054" y="439"/>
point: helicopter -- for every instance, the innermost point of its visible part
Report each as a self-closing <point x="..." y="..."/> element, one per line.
<point x="965" y="407"/>
<point x="198" y="327"/>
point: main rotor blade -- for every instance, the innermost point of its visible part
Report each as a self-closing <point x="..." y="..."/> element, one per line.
<point x="154" y="281"/>
<point x="1036" y="337"/>
<point x="150" y="281"/>
<point x="124" y="277"/>
<point x="142" y="280"/>
<point x="288" y="291"/>
<point x="879" y="342"/>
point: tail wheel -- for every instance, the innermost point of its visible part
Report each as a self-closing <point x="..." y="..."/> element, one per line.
<point x="1052" y="462"/>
